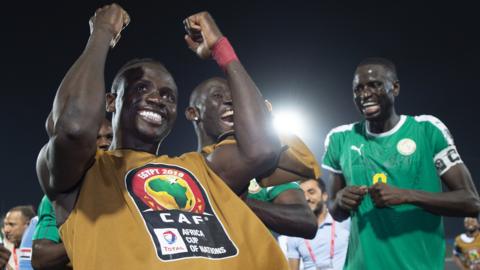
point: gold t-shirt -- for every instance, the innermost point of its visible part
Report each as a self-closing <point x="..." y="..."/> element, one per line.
<point x="136" y="210"/>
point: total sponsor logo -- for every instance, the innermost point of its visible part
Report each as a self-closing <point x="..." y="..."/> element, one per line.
<point x="171" y="242"/>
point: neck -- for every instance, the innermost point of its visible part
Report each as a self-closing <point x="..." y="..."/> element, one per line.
<point x="322" y="216"/>
<point x="203" y="139"/>
<point x="383" y="124"/>
<point x="134" y="143"/>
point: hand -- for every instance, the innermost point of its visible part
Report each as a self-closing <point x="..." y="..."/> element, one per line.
<point x="384" y="195"/>
<point x="202" y="34"/>
<point x="111" y="18"/>
<point x="4" y="256"/>
<point x="350" y="197"/>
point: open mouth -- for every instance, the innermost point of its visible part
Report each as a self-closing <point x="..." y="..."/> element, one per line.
<point x="227" y="117"/>
<point x="151" y="117"/>
<point x="369" y="108"/>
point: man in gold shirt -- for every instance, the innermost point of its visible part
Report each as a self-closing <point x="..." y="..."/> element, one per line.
<point x="466" y="249"/>
<point x="134" y="208"/>
<point x="282" y="207"/>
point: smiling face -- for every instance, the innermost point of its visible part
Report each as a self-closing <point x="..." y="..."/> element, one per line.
<point x="374" y="90"/>
<point x="315" y="196"/>
<point x="212" y="105"/>
<point x="14" y="226"/>
<point x="471" y="224"/>
<point x="145" y="104"/>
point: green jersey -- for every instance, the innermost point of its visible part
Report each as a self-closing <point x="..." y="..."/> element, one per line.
<point x="47" y="222"/>
<point x="412" y="155"/>
<point x="268" y="194"/>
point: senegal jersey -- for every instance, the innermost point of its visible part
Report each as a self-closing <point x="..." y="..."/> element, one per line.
<point x="409" y="156"/>
<point x="268" y="194"/>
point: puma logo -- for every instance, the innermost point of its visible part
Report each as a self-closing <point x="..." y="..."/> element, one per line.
<point x="358" y="149"/>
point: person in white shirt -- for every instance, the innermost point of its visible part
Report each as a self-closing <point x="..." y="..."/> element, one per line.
<point x="329" y="247"/>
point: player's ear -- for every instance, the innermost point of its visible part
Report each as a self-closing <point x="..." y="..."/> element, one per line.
<point x="192" y="114"/>
<point x="110" y="102"/>
<point x="396" y="88"/>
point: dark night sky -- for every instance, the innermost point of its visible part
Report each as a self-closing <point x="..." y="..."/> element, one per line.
<point x="301" y="55"/>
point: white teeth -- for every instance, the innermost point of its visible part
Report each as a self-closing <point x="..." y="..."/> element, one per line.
<point x="369" y="104"/>
<point x="153" y="116"/>
<point x="227" y="113"/>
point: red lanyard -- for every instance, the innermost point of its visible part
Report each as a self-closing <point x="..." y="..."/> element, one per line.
<point x="332" y="245"/>
<point x="15" y="259"/>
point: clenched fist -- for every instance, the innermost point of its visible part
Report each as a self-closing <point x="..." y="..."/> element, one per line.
<point x="384" y="195"/>
<point x="202" y="34"/>
<point x="350" y="197"/>
<point x="111" y="18"/>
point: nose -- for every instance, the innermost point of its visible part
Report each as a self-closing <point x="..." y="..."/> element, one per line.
<point x="227" y="98"/>
<point x="154" y="97"/>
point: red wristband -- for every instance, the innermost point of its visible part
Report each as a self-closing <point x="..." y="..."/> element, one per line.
<point x="223" y="53"/>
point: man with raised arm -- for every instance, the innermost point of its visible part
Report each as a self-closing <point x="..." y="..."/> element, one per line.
<point x="135" y="208"/>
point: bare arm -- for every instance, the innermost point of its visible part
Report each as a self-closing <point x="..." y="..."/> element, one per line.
<point x="78" y="108"/>
<point x="294" y="264"/>
<point x="342" y="199"/>
<point x="47" y="254"/>
<point x="257" y="147"/>
<point x="459" y="263"/>
<point x="461" y="199"/>
<point x="289" y="214"/>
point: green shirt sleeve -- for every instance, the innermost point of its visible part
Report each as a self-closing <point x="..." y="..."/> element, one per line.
<point x="331" y="158"/>
<point x="438" y="133"/>
<point x="273" y="192"/>
<point x="47" y="222"/>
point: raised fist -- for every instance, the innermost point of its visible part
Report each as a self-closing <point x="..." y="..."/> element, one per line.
<point x="112" y="18"/>
<point x="202" y="34"/>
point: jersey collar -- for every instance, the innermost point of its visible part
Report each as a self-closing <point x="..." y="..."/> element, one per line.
<point x="400" y="123"/>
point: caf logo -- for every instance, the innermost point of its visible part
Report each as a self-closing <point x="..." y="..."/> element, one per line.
<point x="167" y="188"/>
<point x="170" y="192"/>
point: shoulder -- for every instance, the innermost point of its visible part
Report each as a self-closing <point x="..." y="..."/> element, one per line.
<point x="432" y="124"/>
<point x="340" y="131"/>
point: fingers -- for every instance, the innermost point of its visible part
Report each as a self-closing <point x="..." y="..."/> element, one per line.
<point x="352" y="196"/>
<point x="191" y="44"/>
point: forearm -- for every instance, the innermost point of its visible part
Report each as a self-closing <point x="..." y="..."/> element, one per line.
<point x="287" y="219"/>
<point x="253" y="129"/>
<point x="452" y="203"/>
<point x="79" y="104"/>
<point x="48" y="255"/>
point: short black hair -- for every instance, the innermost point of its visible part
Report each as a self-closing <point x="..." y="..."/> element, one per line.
<point x="196" y="91"/>
<point x="27" y="211"/>
<point x="386" y="63"/>
<point x="130" y="64"/>
<point x="320" y="183"/>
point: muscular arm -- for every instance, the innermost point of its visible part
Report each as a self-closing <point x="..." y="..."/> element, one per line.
<point x="461" y="199"/>
<point x="47" y="254"/>
<point x="257" y="147"/>
<point x="77" y="114"/>
<point x="289" y="214"/>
